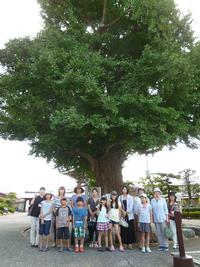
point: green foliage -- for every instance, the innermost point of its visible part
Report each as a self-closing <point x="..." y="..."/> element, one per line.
<point x="165" y="181"/>
<point x="192" y="214"/>
<point x="103" y="78"/>
<point x="8" y="202"/>
<point x="190" y="181"/>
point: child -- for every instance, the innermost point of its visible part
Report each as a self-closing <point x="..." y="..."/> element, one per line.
<point x="114" y="216"/>
<point x="79" y="223"/>
<point x="45" y="217"/>
<point x="145" y="220"/>
<point x="103" y="223"/>
<point x="63" y="216"/>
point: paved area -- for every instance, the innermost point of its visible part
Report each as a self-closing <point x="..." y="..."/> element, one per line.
<point x="15" y="251"/>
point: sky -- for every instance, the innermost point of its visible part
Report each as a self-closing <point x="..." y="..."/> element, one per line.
<point x="20" y="172"/>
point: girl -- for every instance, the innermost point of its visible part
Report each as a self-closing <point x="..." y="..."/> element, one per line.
<point x="172" y="206"/>
<point x="127" y="234"/>
<point x="145" y="220"/>
<point x="102" y="222"/>
<point x="45" y="217"/>
<point x="57" y="204"/>
<point x="93" y="202"/>
<point x="115" y="211"/>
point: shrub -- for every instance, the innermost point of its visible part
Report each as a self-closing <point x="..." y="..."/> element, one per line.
<point x="191" y="214"/>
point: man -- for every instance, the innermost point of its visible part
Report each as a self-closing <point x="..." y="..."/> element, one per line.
<point x="34" y="215"/>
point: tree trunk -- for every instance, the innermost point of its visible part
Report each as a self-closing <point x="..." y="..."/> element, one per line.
<point x="108" y="173"/>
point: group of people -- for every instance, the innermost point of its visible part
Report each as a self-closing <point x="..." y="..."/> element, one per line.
<point x="110" y="217"/>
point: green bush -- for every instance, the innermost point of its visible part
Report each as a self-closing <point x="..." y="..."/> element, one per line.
<point x="191" y="209"/>
<point x="11" y="209"/>
<point x="191" y="214"/>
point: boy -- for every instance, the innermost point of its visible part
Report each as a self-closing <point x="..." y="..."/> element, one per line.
<point x="45" y="217"/>
<point x="79" y="224"/>
<point x="63" y="216"/>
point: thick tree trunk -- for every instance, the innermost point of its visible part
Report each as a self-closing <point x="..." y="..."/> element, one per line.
<point x="108" y="172"/>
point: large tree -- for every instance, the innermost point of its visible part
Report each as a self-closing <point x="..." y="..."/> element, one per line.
<point x="104" y="79"/>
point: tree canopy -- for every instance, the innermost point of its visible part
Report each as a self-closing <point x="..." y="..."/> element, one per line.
<point x="102" y="80"/>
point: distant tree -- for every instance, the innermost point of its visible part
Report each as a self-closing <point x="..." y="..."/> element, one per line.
<point x="102" y="80"/>
<point x="165" y="181"/>
<point x="190" y="181"/>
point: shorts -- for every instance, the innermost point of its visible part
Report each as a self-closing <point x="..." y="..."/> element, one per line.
<point x="145" y="227"/>
<point x="104" y="226"/>
<point x="63" y="233"/>
<point x="113" y="222"/>
<point x="44" y="228"/>
<point x="79" y="232"/>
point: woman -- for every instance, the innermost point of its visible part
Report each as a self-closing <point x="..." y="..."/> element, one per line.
<point x="115" y="211"/>
<point x="78" y="190"/>
<point x="160" y="217"/>
<point x="172" y="206"/>
<point x="127" y="234"/>
<point x="93" y="202"/>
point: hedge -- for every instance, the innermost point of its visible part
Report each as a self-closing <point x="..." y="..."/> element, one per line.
<point x="191" y="209"/>
<point x="191" y="214"/>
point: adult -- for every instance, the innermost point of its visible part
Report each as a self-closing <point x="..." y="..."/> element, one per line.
<point x="172" y="207"/>
<point x="57" y="204"/>
<point x="34" y="213"/>
<point x="93" y="203"/>
<point x="160" y="217"/>
<point x="127" y="234"/>
<point x="78" y="190"/>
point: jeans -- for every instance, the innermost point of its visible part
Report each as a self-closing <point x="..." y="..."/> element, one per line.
<point x="173" y="227"/>
<point x="34" y="233"/>
<point x="162" y="240"/>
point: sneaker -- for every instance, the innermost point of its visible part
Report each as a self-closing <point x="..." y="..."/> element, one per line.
<point x="143" y="250"/>
<point x="91" y="245"/>
<point x="41" y="249"/>
<point x="53" y="245"/>
<point x="60" y="249"/>
<point x="95" y="245"/>
<point x="76" y="250"/>
<point x="81" y="249"/>
<point x="165" y="249"/>
<point x="100" y="249"/>
<point x="148" y="250"/>
<point x="107" y="249"/>
<point x="112" y="248"/>
<point x="32" y="246"/>
<point x="160" y="249"/>
<point x="45" y="249"/>
<point x="69" y="249"/>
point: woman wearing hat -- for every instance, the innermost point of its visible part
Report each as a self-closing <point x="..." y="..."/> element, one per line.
<point x="160" y="217"/>
<point x="127" y="234"/>
<point x="78" y="190"/>
<point x="172" y="206"/>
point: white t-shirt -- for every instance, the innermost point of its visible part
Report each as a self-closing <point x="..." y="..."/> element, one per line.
<point x="46" y="206"/>
<point x="144" y="213"/>
<point x="114" y="213"/>
<point x="103" y="215"/>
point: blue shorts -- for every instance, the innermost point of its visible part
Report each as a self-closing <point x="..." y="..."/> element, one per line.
<point x="44" y="228"/>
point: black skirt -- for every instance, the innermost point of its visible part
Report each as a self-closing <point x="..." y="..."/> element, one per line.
<point x="128" y="234"/>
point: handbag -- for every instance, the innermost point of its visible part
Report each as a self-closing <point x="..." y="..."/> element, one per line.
<point x="123" y="222"/>
<point x="168" y="232"/>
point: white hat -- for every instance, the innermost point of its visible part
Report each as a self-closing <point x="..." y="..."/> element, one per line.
<point x="157" y="189"/>
<point x="144" y="195"/>
<point x="49" y="192"/>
